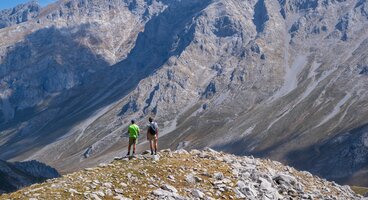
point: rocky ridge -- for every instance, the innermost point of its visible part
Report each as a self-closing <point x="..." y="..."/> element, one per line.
<point x="14" y="176"/>
<point x="187" y="175"/>
<point x="19" y="14"/>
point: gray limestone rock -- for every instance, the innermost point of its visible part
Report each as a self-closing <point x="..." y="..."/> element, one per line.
<point x="225" y="74"/>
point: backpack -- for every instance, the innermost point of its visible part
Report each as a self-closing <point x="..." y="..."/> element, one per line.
<point x="152" y="129"/>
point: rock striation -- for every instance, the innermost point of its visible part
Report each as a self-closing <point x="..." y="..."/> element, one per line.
<point x="213" y="175"/>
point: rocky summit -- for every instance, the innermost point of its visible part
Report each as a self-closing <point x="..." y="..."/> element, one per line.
<point x="187" y="175"/>
<point x="278" y="79"/>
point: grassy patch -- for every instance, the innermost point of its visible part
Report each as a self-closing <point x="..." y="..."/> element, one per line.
<point x="359" y="190"/>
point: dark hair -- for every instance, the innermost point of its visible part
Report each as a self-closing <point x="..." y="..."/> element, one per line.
<point x="150" y="119"/>
<point x="133" y="121"/>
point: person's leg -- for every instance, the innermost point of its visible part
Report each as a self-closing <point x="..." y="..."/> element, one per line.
<point x="134" y="145"/>
<point x="129" y="145"/>
<point x="151" y="146"/>
<point x="155" y="141"/>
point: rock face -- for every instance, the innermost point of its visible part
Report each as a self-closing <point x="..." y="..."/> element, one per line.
<point x="19" y="14"/>
<point x="280" y="79"/>
<point x="218" y="175"/>
<point x="20" y="174"/>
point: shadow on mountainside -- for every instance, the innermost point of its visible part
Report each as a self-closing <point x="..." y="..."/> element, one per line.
<point x="343" y="158"/>
<point x="340" y="159"/>
<point x="47" y="62"/>
<point x="165" y="35"/>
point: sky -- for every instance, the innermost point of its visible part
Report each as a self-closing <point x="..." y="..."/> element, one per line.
<point x="11" y="3"/>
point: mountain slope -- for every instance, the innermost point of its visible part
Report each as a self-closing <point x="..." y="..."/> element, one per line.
<point x="19" y="14"/>
<point x="20" y="174"/>
<point x="278" y="79"/>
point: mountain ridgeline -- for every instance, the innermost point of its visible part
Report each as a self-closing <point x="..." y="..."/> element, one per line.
<point x="20" y="174"/>
<point x="280" y="79"/>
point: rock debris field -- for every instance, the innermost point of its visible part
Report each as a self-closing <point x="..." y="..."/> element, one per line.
<point x="181" y="174"/>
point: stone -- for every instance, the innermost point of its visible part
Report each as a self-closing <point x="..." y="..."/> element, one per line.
<point x="197" y="193"/>
<point x="166" y="150"/>
<point x="156" y="157"/>
<point x="210" y="150"/>
<point x="99" y="193"/>
<point x="119" y="197"/>
<point x="95" y="197"/>
<point x="123" y="184"/>
<point x="195" y="152"/>
<point x="109" y="192"/>
<point x="239" y="194"/>
<point x="163" y="194"/>
<point x="189" y="178"/>
<point x="218" y="175"/>
<point x="265" y="185"/>
<point x="204" y="155"/>
<point x="169" y="188"/>
<point x="103" y="165"/>
<point x="181" y="151"/>
<point x="71" y="190"/>
<point x="119" y="191"/>
<point x="284" y="178"/>
<point x="146" y="152"/>
<point x="108" y="185"/>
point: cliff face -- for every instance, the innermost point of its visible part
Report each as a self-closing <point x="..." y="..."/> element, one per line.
<point x="188" y="175"/>
<point x="280" y="79"/>
<point x="20" y="174"/>
<point x="19" y="14"/>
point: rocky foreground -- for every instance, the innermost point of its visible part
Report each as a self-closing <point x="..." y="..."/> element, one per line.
<point x="187" y="175"/>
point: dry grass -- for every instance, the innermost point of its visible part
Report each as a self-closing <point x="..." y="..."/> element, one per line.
<point x="359" y="190"/>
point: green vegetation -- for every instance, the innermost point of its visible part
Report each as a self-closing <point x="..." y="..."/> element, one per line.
<point x="359" y="190"/>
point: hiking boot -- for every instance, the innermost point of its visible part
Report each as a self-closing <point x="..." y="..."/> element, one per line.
<point x="128" y="154"/>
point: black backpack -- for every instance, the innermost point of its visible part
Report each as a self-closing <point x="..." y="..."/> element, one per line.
<point x="152" y="129"/>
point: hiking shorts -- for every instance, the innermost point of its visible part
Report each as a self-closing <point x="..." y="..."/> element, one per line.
<point x="133" y="141"/>
<point x="152" y="137"/>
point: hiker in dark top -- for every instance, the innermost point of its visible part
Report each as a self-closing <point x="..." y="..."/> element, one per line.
<point x="152" y="135"/>
<point x="133" y="131"/>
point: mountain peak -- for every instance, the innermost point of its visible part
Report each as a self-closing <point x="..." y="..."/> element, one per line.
<point x="188" y="175"/>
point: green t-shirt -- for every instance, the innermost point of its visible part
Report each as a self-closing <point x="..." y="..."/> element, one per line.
<point x="133" y="131"/>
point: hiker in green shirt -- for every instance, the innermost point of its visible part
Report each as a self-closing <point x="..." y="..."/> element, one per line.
<point x="133" y="131"/>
